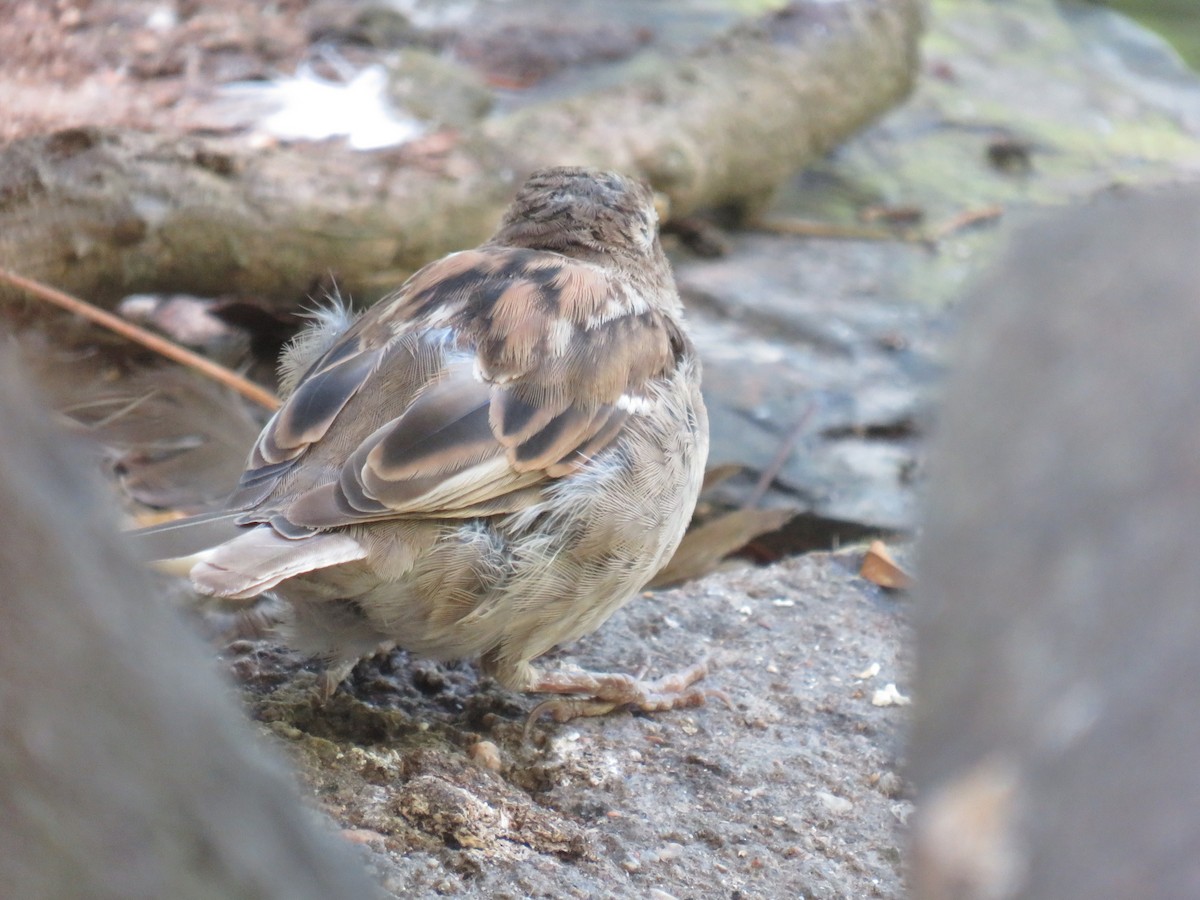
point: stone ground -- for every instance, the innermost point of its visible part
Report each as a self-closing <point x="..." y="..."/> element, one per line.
<point x="792" y="789"/>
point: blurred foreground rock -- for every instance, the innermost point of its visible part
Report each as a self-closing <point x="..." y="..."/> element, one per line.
<point x="1058" y="716"/>
<point x="125" y="768"/>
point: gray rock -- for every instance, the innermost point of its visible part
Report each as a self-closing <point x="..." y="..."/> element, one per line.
<point x="126" y="770"/>
<point x="1057" y="702"/>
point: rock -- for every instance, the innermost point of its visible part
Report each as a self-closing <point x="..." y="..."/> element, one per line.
<point x="775" y="795"/>
<point x="1057" y="716"/>
<point x="125" y="768"/>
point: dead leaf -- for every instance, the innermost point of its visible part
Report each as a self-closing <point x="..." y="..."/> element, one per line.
<point x="879" y="568"/>
<point x="717" y="474"/>
<point x="703" y="548"/>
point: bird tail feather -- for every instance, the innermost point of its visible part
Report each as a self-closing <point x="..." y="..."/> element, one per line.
<point x="260" y="558"/>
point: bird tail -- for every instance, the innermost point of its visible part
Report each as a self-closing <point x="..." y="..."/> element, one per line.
<point x="234" y="561"/>
<point x="260" y="558"/>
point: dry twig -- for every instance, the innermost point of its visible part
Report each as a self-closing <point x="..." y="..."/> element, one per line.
<point x="147" y="339"/>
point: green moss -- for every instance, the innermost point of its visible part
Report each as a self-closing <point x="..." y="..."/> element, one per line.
<point x="1017" y="71"/>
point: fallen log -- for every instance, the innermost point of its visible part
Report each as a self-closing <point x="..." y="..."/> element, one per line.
<point x="105" y="213"/>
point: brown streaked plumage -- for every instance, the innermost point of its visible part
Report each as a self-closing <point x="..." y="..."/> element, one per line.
<point x="488" y="463"/>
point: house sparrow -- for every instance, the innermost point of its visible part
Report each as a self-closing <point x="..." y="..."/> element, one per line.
<point x="488" y="463"/>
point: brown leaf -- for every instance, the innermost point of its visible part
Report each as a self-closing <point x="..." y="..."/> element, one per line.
<point x="714" y="475"/>
<point x="879" y="568"/>
<point x="704" y="547"/>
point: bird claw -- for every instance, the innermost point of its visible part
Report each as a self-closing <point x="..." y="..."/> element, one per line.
<point x="605" y="692"/>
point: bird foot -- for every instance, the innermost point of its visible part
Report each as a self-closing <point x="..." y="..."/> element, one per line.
<point x="336" y="672"/>
<point x="604" y="692"/>
<point x="329" y="680"/>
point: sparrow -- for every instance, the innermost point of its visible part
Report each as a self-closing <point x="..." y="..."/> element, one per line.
<point x="486" y="464"/>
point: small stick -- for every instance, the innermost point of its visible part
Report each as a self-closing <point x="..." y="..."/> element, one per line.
<point x="806" y="228"/>
<point x="781" y="456"/>
<point x="139" y="335"/>
<point x="833" y="230"/>
<point x="964" y="219"/>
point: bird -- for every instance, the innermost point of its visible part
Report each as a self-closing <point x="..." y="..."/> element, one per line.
<point x="485" y="464"/>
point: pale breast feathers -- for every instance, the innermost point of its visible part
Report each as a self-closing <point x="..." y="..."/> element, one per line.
<point x="491" y="371"/>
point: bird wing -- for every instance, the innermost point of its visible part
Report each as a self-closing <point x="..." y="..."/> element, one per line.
<point x="491" y="372"/>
